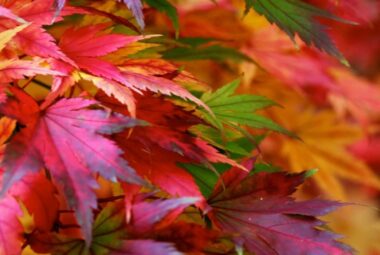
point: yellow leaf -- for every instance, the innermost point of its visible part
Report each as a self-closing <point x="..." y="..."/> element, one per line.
<point x="7" y="126"/>
<point x="325" y="139"/>
<point x="359" y="224"/>
<point x="7" y="35"/>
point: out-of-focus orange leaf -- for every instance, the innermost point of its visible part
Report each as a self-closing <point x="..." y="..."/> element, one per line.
<point x="325" y="139"/>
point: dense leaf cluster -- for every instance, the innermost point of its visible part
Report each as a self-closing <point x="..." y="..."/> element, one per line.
<point x="108" y="148"/>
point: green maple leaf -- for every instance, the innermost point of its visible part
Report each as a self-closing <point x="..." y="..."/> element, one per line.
<point x="234" y="110"/>
<point x="296" y="17"/>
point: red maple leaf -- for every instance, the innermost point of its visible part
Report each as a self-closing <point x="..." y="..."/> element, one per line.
<point x="38" y="194"/>
<point x="135" y="6"/>
<point x="146" y="216"/>
<point x="66" y="139"/>
<point x="10" y="227"/>
<point x="85" y="45"/>
<point x="7" y="13"/>
<point x="188" y="237"/>
<point x="266" y="220"/>
<point x="167" y="137"/>
<point x="34" y="40"/>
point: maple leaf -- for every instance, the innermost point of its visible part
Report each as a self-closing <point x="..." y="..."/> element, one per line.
<point x="166" y="7"/>
<point x="324" y="144"/>
<point x="34" y="40"/>
<point x="58" y="5"/>
<point x="157" y="84"/>
<point x="122" y="93"/>
<point x="136" y="7"/>
<point x="39" y="12"/>
<point x="5" y="12"/>
<point x="360" y="43"/>
<point x="15" y="69"/>
<point x="7" y="35"/>
<point x="232" y="109"/>
<point x="259" y="210"/>
<point x="164" y="69"/>
<point x="206" y="22"/>
<point x="84" y="45"/>
<point x="38" y="195"/>
<point x="67" y="140"/>
<point x="88" y="42"/>
<point x="310" y="71"/>
<point x="10" y="227"/>
<point x="297" y="17"/>
<point x="146" y="247"/>
<point x="109" y="234"/>
<point x="359" y="95"/>
<point x="362" y="11"/>
<point x="7" y="127"/>
<point x="188" y="237"/>
<point x="165" y="137"/>
<point x="149" y="74"/>
<point x="276" y="54"/>
<point x="368" y="149"/>
<point x="148" y="215"/>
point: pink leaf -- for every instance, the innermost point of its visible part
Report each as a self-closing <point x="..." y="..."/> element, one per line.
<point x="40" y="12"/>
<point x="14" y="69"/>
<point x="89" y="42"/>
<point x="4" y="12"/>
<point x="67" y="140"/>
<point x="35" y="41"/>
<point x="157" y="84"/>
<point x="10" y="227"/>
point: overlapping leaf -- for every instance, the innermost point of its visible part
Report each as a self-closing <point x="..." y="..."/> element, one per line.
<point x="10" y="227"/>
<point x="146" y="247"/>
<point x="14" y="69"/>
<point x="34" y="40"/>
<point x="136" y="7"/>
<point x="166" y="7"/>
<point x="165" y="137"/>
<point x="110" y="233"/>
<point x="7" y="35"/>
<point x="298" y="17"/>
<point x="147" y="215"/>
<point x="266" y="220"/>
<point x="85" y="50"/>
<point x="324" y="144"/>
<point x="66" y="139"/>
<point x="7" y="13"/>
<point x="107" y="234"/>
<point x="238" y="109"/>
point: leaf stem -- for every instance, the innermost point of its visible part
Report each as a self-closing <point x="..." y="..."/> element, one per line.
<point x="42" y="84"/>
